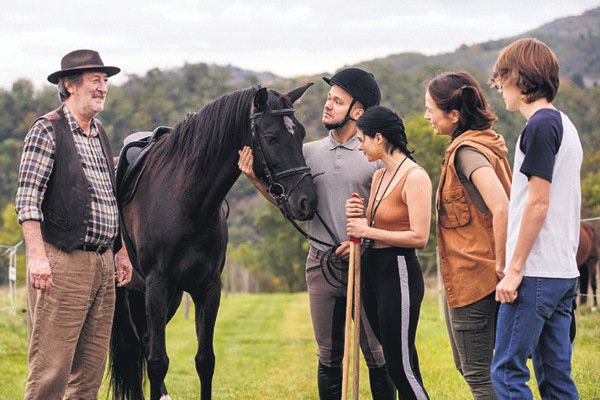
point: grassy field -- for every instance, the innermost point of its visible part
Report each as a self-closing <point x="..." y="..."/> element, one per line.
<point x="265" y="350"/>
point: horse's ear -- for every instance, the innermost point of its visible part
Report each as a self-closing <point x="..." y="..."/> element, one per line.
<point x="295" y="94"/>
<point x="260" y="100"/>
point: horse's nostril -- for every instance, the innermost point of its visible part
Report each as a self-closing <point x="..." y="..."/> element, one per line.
<point x="304" y="205"/>
<point x="306" y="208"/>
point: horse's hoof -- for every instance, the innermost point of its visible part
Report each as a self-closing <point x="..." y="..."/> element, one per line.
<point x="165" y="397"/>
<point x="594" y="309"/>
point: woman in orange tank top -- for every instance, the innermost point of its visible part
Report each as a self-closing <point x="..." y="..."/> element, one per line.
<point x="397" y="222"/>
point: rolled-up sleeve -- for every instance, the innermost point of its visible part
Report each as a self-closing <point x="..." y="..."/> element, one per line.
<point x="36" y="165"/>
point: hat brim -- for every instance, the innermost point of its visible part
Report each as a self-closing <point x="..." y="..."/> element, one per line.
<point x="329" y="82"/>
<point x="54" y="77"/>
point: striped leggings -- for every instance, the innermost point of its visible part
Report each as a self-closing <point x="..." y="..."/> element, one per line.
<point x="393" y="290"/>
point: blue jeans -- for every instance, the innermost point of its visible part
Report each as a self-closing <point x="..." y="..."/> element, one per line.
<point x="536" y="324"/>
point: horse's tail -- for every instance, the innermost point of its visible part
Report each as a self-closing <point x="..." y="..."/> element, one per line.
<point x="127" y="362"/>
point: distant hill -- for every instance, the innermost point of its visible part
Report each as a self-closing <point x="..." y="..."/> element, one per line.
<point x="575" y="40"/>
<point x="402" y="77"/>
<point x="239" y="75"/>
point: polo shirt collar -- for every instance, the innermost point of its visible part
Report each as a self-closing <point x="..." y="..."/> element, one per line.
<point x="351" y="144"/>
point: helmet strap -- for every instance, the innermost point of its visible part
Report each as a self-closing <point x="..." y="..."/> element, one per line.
<point x="344" y="121"/>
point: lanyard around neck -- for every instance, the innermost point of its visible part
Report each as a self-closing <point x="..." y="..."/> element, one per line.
<point x="376" y="205"/>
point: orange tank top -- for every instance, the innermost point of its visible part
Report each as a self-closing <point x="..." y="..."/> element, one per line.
<point x="392" y="212"/>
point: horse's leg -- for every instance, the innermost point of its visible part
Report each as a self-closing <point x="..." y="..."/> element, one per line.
<point x="139" y="320"/>
<point x="583" y="282"/>
<point x="172" y="309"/>
<point x="157" y="300"/>
<point x="593" y="279"/>
<point x="206" y="303"/>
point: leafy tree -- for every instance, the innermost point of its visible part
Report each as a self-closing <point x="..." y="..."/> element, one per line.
<point x="9" y="168"/>
<point x="260" y="240"/>
<point x="10" y="230"/>
<point x="590" y="187"/>
<point x="429" y="151"/>
<point x="280" y="250"/>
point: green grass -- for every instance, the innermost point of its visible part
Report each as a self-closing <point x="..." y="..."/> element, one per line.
<point x="265" y="350"/>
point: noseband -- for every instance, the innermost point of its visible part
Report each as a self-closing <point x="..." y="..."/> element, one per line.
<point x="274" y="188"/>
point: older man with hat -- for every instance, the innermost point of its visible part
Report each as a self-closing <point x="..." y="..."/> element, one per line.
<point x="342" y="170"/>
<point x="68" y="211"/>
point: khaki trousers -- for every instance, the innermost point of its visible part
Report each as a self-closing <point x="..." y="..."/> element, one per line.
<point x="71" y="326"/>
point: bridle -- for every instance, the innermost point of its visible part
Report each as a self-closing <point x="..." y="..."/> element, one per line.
<point x="272" y="178"/>
<point x="278" y="192"/>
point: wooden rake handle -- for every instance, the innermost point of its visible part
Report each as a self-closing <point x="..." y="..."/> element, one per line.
<point x="355" y="368"/>
<point x="348" y="326"/>
<point x="352" y="303"/>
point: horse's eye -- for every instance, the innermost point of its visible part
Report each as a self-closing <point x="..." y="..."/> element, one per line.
<point x="271" y="140"/>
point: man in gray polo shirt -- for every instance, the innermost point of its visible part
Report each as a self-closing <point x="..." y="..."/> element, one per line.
<point x="343" y="171"/>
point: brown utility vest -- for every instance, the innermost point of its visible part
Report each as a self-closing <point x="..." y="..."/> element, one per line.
<point x="465" y="237"/>
<point x="67" y="201"/>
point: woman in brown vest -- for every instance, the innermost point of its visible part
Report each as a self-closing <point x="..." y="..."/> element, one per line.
<point x="472" y="212"/>
<point x="397" y="223"/>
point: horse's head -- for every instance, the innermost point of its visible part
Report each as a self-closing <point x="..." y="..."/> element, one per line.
<point x="277" y="138"/>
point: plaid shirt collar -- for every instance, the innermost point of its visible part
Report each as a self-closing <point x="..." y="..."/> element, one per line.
<point x="74" y="125"/>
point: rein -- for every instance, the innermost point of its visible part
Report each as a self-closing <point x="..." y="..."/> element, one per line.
<point x="277" y="192"/>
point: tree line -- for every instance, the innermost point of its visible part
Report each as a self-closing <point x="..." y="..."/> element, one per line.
<point x="260" y="240"/>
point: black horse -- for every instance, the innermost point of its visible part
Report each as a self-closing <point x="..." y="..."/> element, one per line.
<point x="175" y="227"/>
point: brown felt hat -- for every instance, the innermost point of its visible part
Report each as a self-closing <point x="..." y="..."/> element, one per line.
<point x="79" y="61"/>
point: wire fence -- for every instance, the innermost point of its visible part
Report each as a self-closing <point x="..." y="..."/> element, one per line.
<point x="590" y="219"/>
<point x="10" y="253"/>
<point x="232" y="282"/>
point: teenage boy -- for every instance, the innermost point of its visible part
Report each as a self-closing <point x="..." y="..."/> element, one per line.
<point x="540" y="281"/>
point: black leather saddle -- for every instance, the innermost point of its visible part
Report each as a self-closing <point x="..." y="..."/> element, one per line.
<point x="132" y="160"/>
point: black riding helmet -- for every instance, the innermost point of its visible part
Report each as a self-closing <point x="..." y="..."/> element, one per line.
<point x="361" y="85"/>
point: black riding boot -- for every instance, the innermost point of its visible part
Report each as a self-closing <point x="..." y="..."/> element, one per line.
<point x="330" y="382"/>
<point x="382" y="387"/>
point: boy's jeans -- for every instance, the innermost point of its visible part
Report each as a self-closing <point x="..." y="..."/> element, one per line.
<point x="536" y="324"/>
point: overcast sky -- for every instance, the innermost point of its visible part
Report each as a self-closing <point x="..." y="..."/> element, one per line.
<point x="288" y="38"/>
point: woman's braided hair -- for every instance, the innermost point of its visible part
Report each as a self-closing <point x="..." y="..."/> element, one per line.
<point x="380" y="119"/>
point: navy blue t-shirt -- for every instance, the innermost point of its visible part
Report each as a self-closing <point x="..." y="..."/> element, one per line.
<point x="540" y="141"/>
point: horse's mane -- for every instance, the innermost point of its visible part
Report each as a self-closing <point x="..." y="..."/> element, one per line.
<point x="197" y="141"/>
